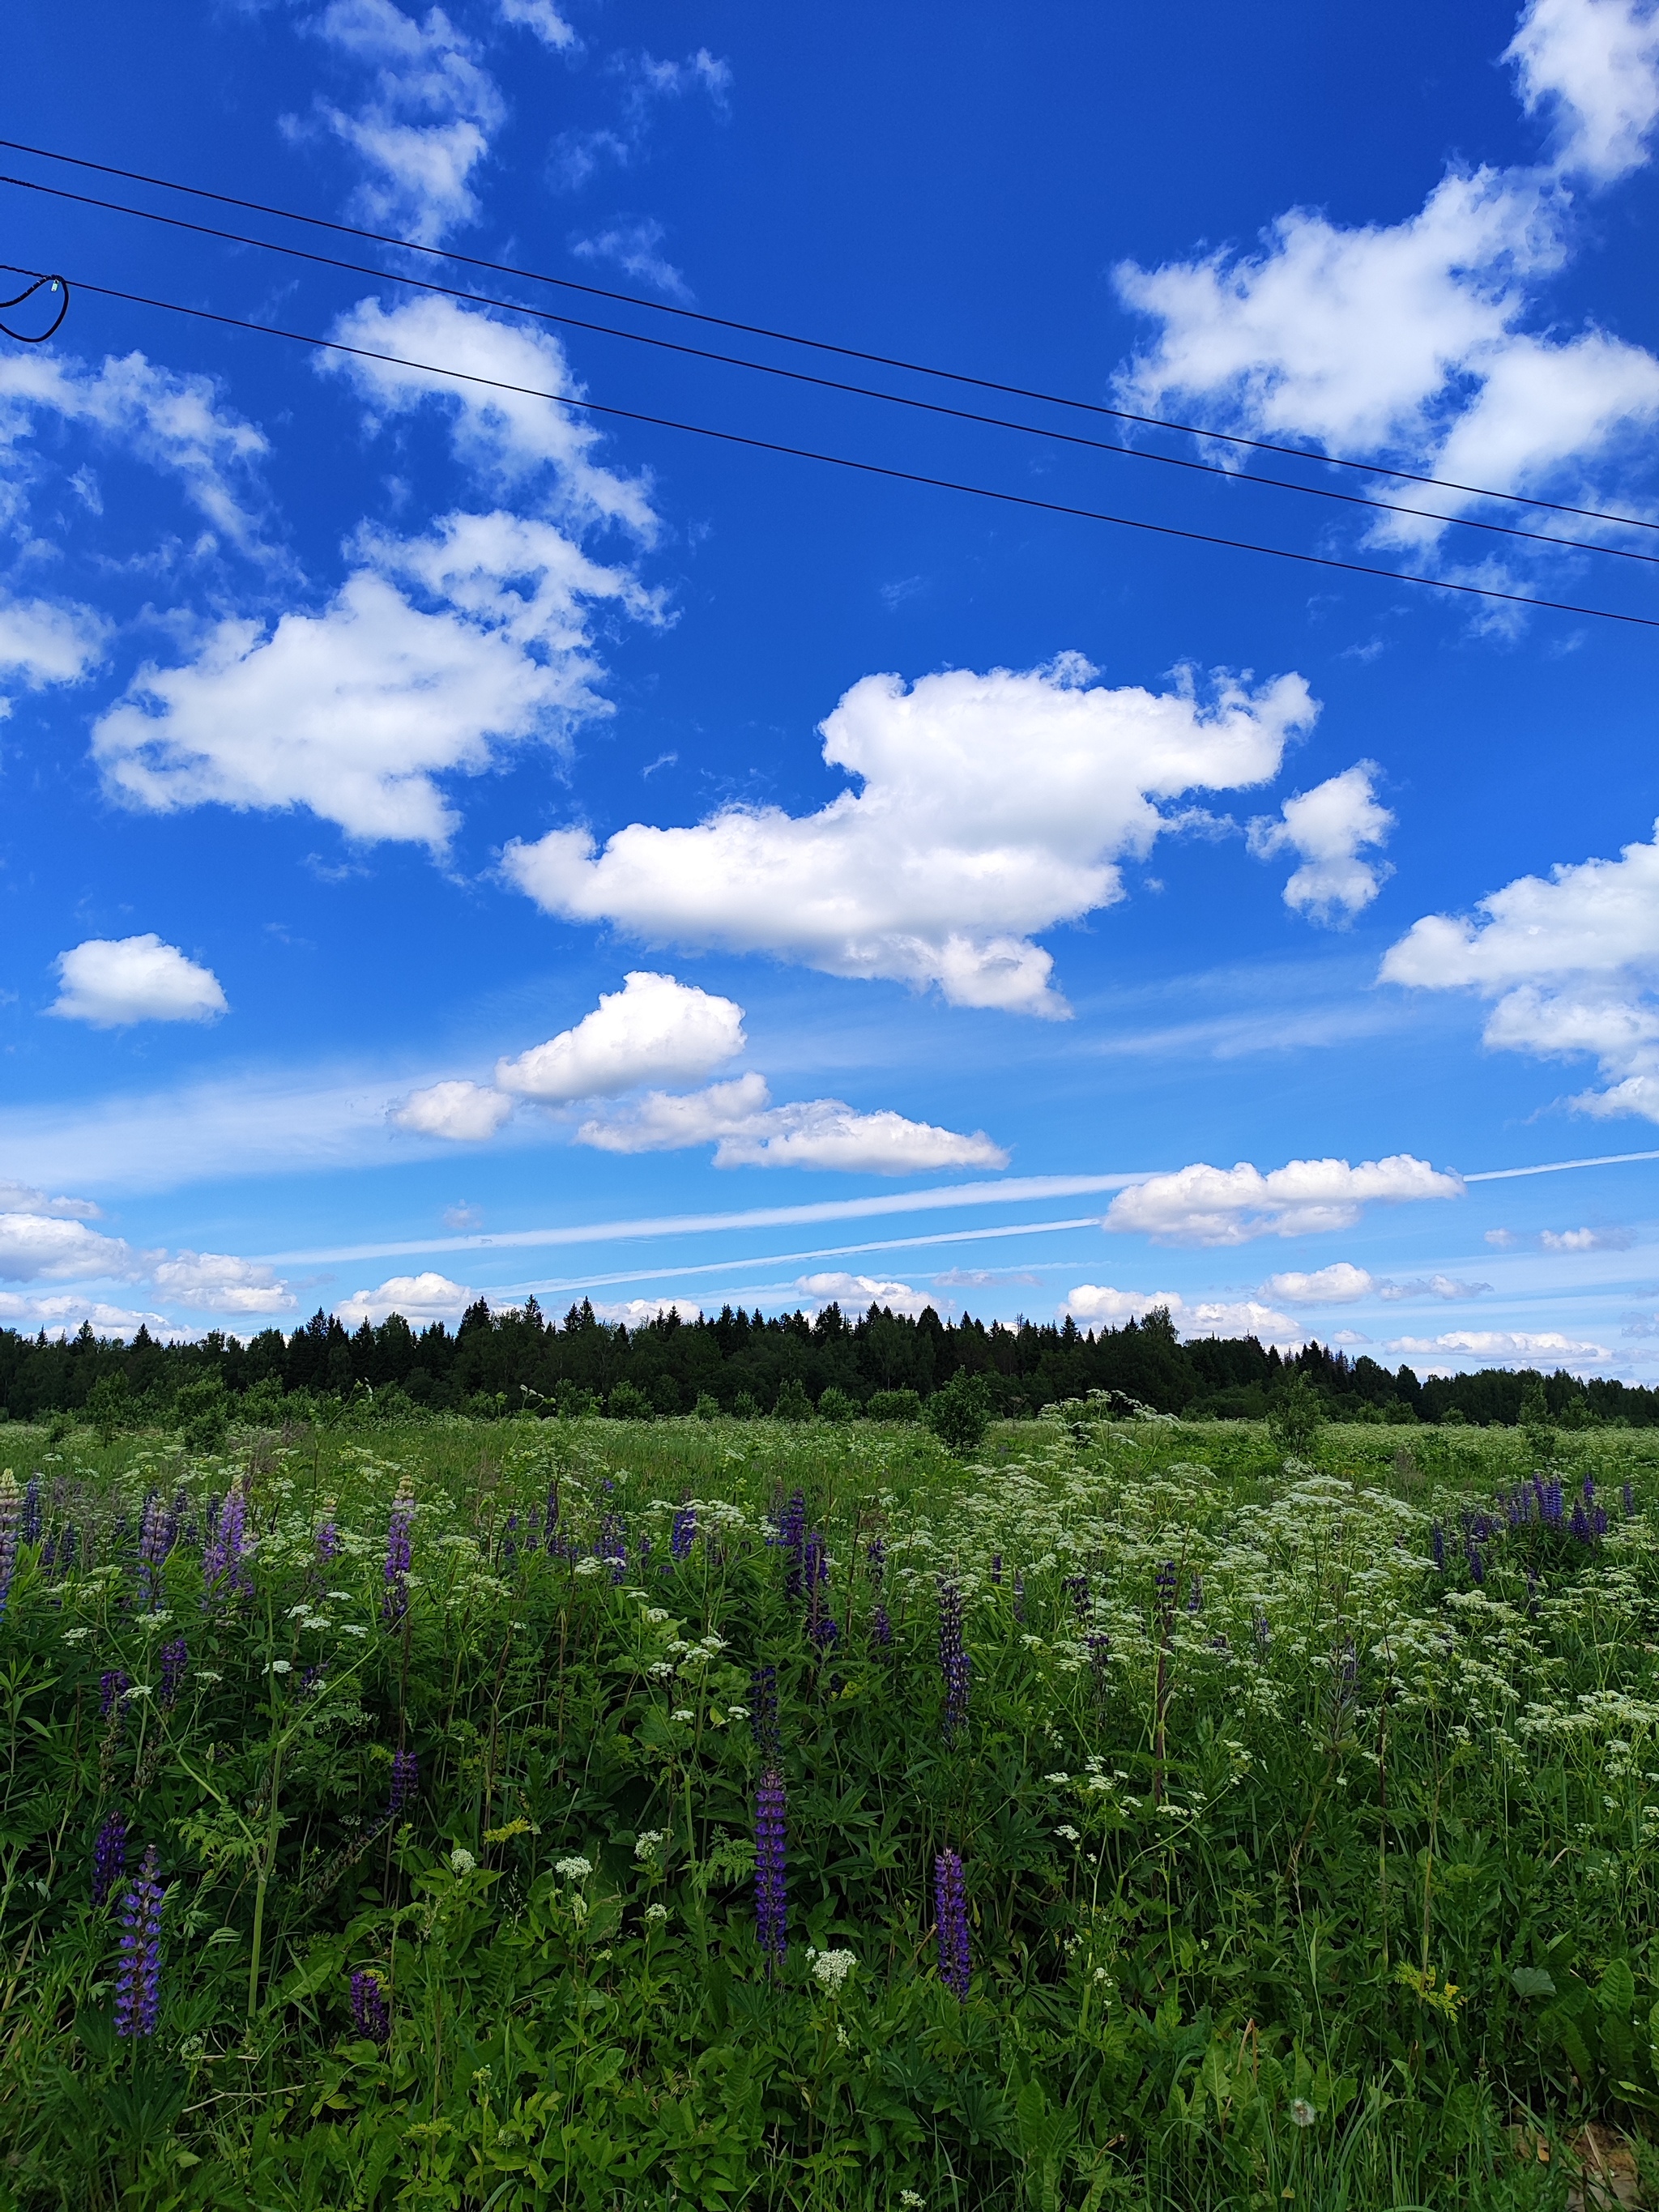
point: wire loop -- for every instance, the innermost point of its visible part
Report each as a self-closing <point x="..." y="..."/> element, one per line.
<point x="58" y="284"/>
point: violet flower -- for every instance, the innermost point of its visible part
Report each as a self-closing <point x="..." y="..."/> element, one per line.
<point x="771" y="1855"/>
<point x="138" y="1978"/>
<point x="10" y="1510"/>
<point x="369" y="2013"/>
<point x="109" y="1856"/>
<point x="395" y="1604"/>
<point x="951" y="1922"/>
<point x="684" y="1534"/>
<point x="954" y="1663"/>
<point x="29" y="1532"/>
<point x="175" y="1661"/>
<point x="405" y="1781"/>
<point x="111" y="1683"/>
<point x="224" y="1574"/>
<point x="152" y="1550"/>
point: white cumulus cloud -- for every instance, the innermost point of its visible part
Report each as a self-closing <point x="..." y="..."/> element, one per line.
<point x="1203" y="1204"/>
<point x="511" y="437"/>
<point x="45" y="1246"/>
<point x="1339" y="1284"/>
<point x="44" y="642"/>
<point x="542" y="17"/>
<point x="112" y="980"/>
<point x="62" y="1315"/>
<point x="1417" y="340"/>
<point x="640" y="1313"/>
<point x="1572" y="963"/>
<point x="466" y="1112"/>
<point x="1327" y="827"/>
<point x="356" y="711"/>
<point x="1593" y="66"/>
<point x="1102" y="1305"/>
<point x="218" y="1283"/>
<point x="427" y="123"/>
<point x="1504" y="1347"/>
<point x="748" y="1131"/>
<point x="990" y="807"/>
<point x="1586" y="1240"/>
<point x="654" y="1029"/>
<point x="22" y="1198"/>
<point x="419" y="1298"/>
<point x="858" y="1293"/>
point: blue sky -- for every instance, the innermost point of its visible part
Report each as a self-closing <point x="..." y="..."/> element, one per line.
<point x="450" y="842"/>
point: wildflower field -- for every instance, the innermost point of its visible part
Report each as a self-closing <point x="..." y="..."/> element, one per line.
<point x="717" y="1814"/>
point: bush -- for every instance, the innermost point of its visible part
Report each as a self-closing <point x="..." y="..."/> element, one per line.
<point x="201" y="1411"/>
<point x="109" y="1407"/>
<point x="835" y="1404"/>
<point x="1295" y="1416"/>
<point x="960" y="1413"/>
<point x="746" y="1407"/>
<point x="665" y="1394"/>
<point x="792" y="1403"/>
<point x="708" y="1408"/>
<point x="625" y="1403"/>
<point x="893" y="1406"/>
<point x="570" y="1401"/>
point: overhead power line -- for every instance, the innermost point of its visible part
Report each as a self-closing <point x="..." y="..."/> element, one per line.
<point x="862" y="467"/>
<point x="821" y="345"/>
<point x="822" y="383"/>
<point x="49" y="285"/>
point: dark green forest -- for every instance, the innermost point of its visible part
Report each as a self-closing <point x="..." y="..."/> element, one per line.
<point x="520" y="1359"/>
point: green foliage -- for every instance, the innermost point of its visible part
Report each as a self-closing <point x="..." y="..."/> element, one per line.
<point x="626" y="1403"/>
<point x="1268" y="1895"/>
<point x="893" y="1406"/>
<point x="792" y="1403"/>
<point x="202" y="1412"/>
<point x="1295" y="1417"/>
<point x="109" y="1407"/>
<point x="960" y="1413"/>
<point x="837" y="1405"/>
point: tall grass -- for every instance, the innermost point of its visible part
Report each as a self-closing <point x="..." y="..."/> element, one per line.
<point x="1300" y="1871"/>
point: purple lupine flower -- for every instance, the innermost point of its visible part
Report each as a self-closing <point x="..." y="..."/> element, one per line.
<point x="395" y="1603"/>
<point x="405" y="1781"/>
<point x="1099" y="1646"/>
<point x="875" y="1557"/>
<point x="1438" y="1540"/>
<point x="1580" y="1522"/>
<point x="369" y="2013"/>
<point x="1077" y="1589"/>
<point x="771" y="1856"/>
<point x="1550" y="1503"/>
<point x="112" y="1684"/>
<point x="1630" y="1501"/>
<point x="29" y="1531"/>
<point x="1599" y="1520"/>
<point x="1195" y="1595"/>
<point x="823" y="1630"/>
<point x="327" y="1540"/>
<point x="138" y="1978"/>
<point x="152" y="1550"/>
<point x="49" y="1550"/>
<point x="222" y="1571"/>
<point x="1164" y="1584"/>
<point x="1589" y="1487"/>
<point x="510" y="1539"/>
<point x="1264" y="1634"/>
<point x="881" y="1625"/>
<point x="175" y="1660"/>
<point x="645" y="1553"/>
<point x="950" y="1923"/>
<point x="109" y="1856"/>
<point x="815" y="1573"/>
<point x="67" y="1549"/>
<point x="954" y="1663"/>
<point x="763" y="1713"/>
<point x="792" y="1538"/>
<point x="1477" y="1566"/>
<point x="551" y="1521"/>
<point x="684" y="1534"/>
<point x="996" y="1566"/>
<point x="174" y="1526"/>
<point x="11" y="1513"/>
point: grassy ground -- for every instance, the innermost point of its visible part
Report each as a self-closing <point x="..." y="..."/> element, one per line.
<point x="1300" y="1871"/>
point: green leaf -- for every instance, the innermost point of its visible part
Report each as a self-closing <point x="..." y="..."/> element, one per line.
<point x="1532" y="1982"/>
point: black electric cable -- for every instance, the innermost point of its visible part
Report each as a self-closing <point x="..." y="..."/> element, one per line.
<point x="823" y="383"/>
<point x="823" y="345"/>
<point x="863" y="468"/>
<point x="34" y="337"/>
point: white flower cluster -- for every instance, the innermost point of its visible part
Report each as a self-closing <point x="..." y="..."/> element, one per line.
<point x="831" y="1968"/>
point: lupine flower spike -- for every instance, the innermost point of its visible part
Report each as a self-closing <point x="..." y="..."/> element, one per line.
<point x="395" y="1604"/>
<point x="138" y="1978"/>
<point x="950" y="1917"/>
<point x="405" y="1781"/>
<point x="369" y="2013"/>
<point x="953" y="1660"/>
<point x="10" y="1514"/>
<point x="771" y="1856"/>
<point x="175" y="1662"/>
<point x="109" y="1857"/>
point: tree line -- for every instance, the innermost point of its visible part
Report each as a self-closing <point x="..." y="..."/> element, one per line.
<point x="735" y="1362"/>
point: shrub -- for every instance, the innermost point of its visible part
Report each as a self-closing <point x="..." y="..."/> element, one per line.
<point x="1295" y="1416"/>
<point x="746" y="1407"/>
<point x="792" y="1403"/>
<point x="625" y="1403"/>
<point x="708" y="1408"/>
<point x="960" y="1413"/>
<point x="893" y="1406"/>
<point x="202" y="1412"/>
<point x="834" y="1405"/>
